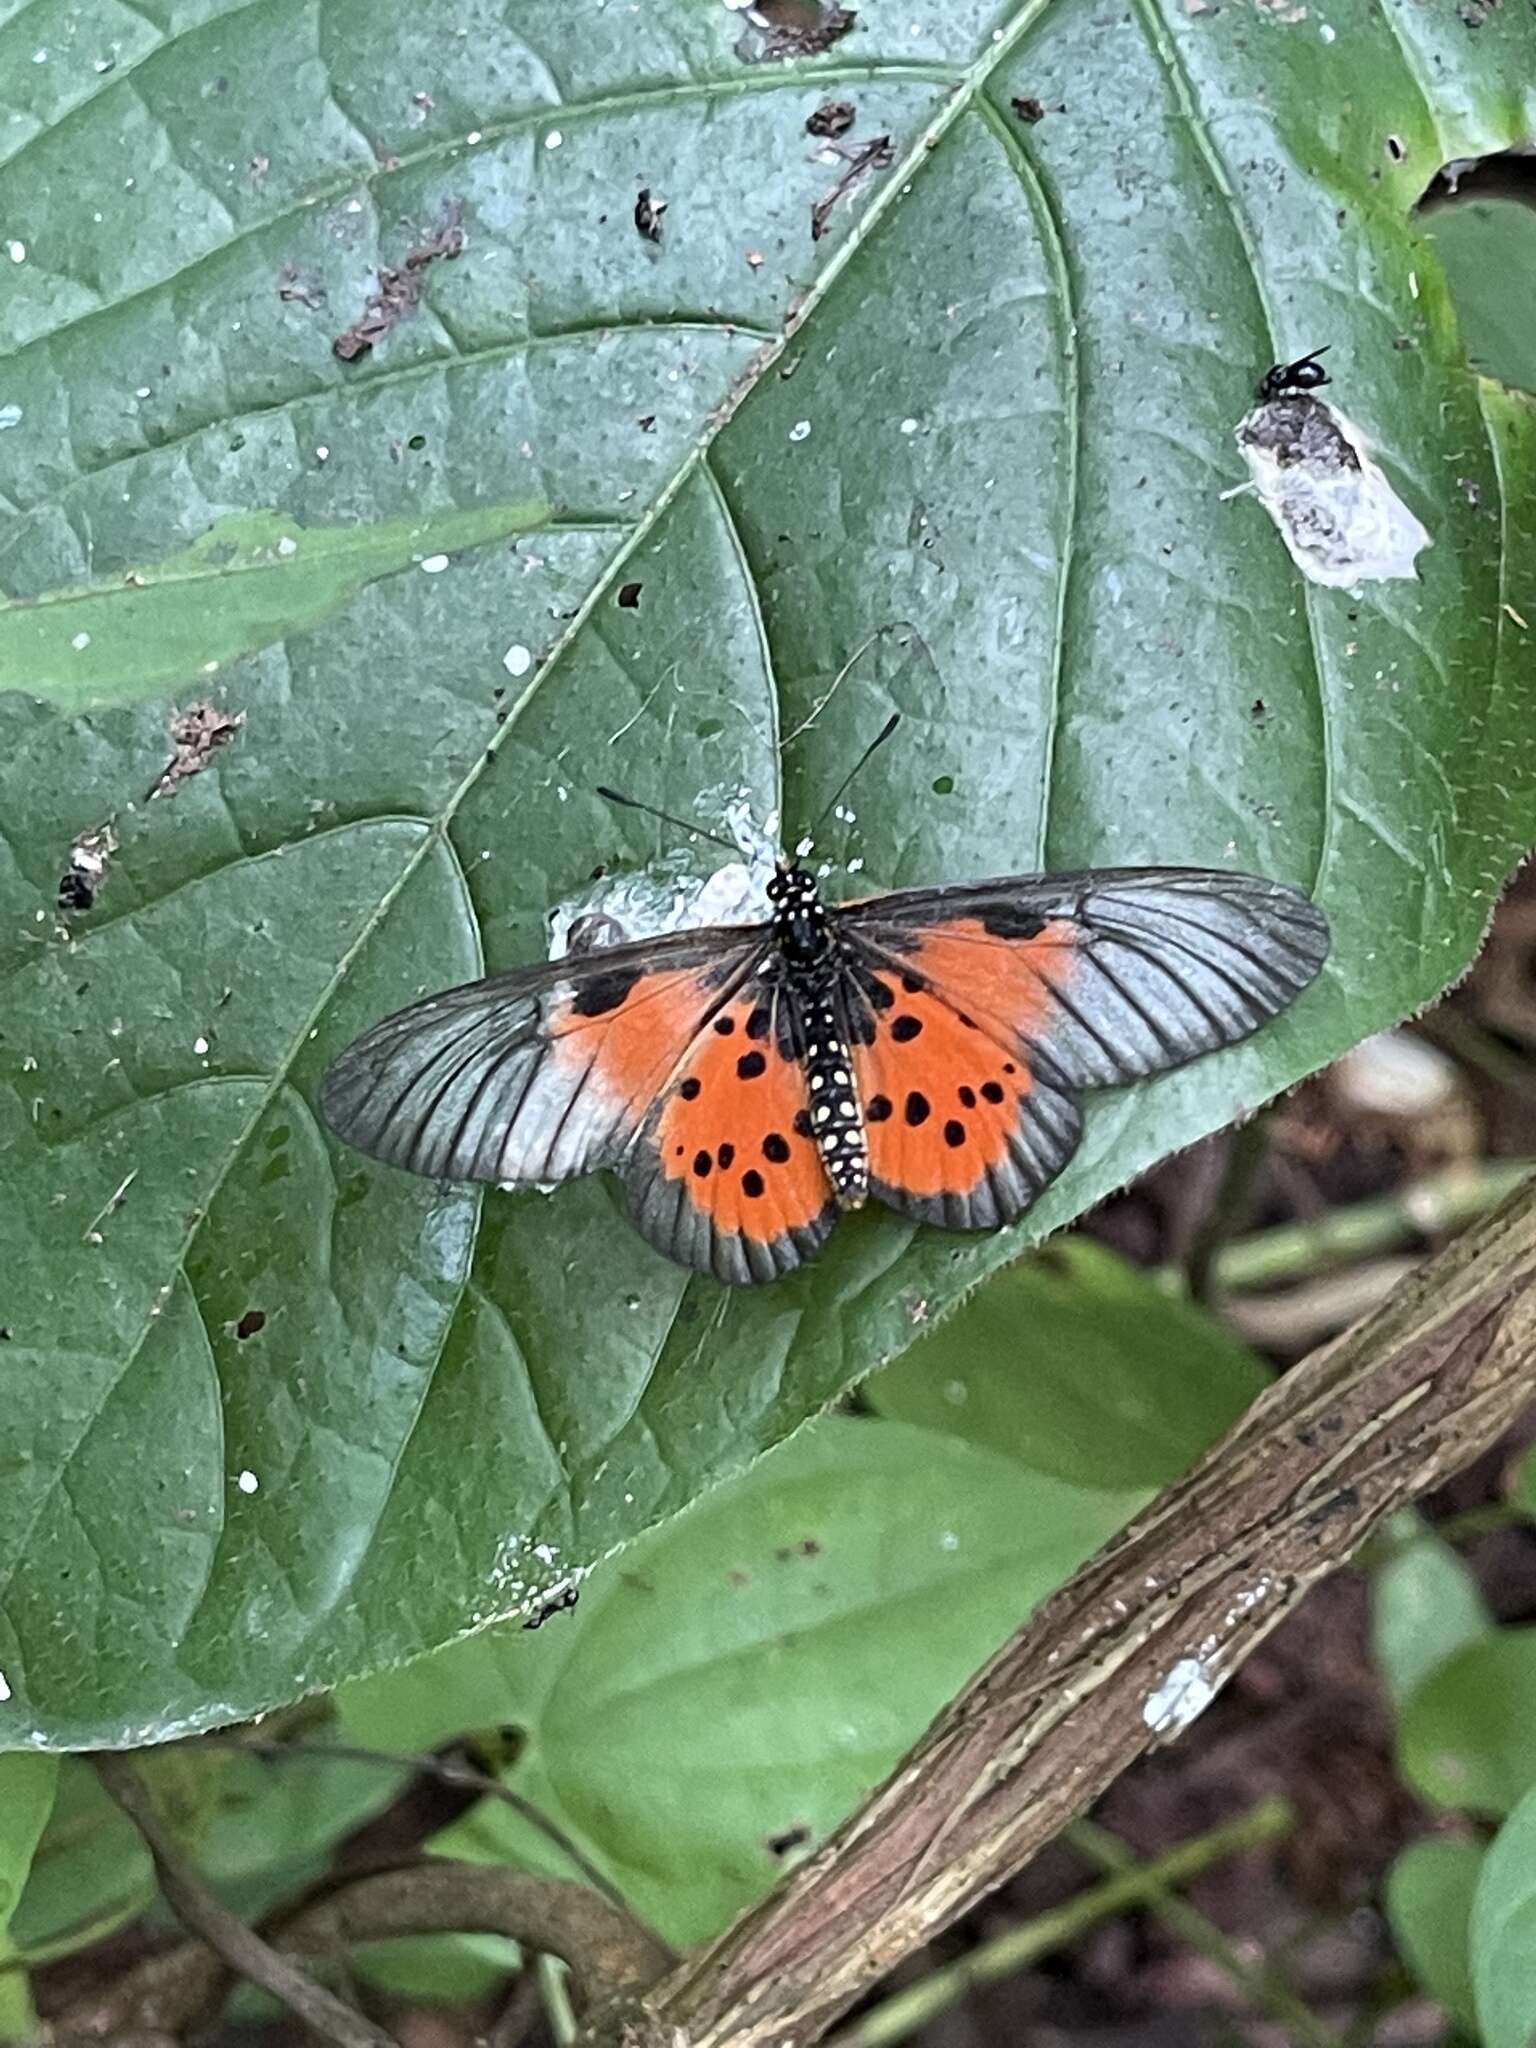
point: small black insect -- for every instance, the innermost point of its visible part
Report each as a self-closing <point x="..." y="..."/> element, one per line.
<point x="1305" y="374"/>
<point x="648" y="214"/>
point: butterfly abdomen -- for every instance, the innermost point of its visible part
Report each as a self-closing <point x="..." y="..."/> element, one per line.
<point x="836" y="1120"/>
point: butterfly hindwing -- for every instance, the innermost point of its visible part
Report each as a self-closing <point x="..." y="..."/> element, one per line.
<point x="725" y="1175"/>
<point x="991" y="1006"/>
<point x="540" y="1074"/>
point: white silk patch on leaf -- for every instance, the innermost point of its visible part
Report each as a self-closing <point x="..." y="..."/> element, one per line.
<point x="649" y="901"/>
<point x="1338" y="515"/>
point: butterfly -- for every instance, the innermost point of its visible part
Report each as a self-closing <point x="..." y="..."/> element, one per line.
<point x="749" y="1082"/>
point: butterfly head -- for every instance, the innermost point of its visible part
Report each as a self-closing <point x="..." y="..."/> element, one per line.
<point x="800" y="921"/>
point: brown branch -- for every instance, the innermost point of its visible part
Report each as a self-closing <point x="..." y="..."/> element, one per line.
<point x="1128" y="1650"/>
<point x="227" y="1935"/>
<point x="608" y="1953"/>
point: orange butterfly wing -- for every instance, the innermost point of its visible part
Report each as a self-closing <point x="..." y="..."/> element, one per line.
<point x="726" y="1175"/>
<point x="637" y="1057"/>
<point x="991" y="1006"/>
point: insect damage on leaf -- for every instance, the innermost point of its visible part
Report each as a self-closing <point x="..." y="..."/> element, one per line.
<point x="875" y="155"/>
<point x="832" y="118"/>
<point x="783" y="29"/>
<point x="86" y="870"/>
<point x="197" y="734"/>
<point x="399" y="291"/>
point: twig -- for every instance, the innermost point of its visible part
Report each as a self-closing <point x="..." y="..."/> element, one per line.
<point x="1436" y="1206"/>
<point x="609" y="1955"/>
<point x="464" y="1777"/>
<point x="900" y="2016"/>
<point x="1128" y="1650"/>
<point x="237" y="1945"/>
<point x="1263" y="1988"/>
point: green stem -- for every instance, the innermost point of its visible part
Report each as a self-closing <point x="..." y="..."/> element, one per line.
<point x="555" y="1994"/>
<point x="900" y="2016"/>
<point x="1437" y="1206"/>
<point x="1261" y="1987"/>
<point x="1247" y="1149"/>
<point x="18" y="2016"/>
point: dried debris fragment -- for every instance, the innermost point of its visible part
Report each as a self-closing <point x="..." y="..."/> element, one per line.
<point x="197" y="734"/>
<point x="399" y="291"/>
<point x="877" y="154"/>
<point x="1338" y="515"/>
<point x="831" y="119"/>
<point x="299" y="287"/>
<point x="86" y="870"/>
<point x="1028" y="108"/>
<point x="648" y="214"/>
<point x="782" y="29"/>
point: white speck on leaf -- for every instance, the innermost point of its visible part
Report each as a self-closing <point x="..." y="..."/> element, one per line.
<point x="199" y="1046"/>
<point x="553" y="139"/>
<point x="434" y="565"/>
<point x="800" y="431"/>
<point x="517" y="660"/>
<point x="80" y="642"/>
<point x="18" y="252"/>
<point x="287" y="545"/>
<point x="247" y="1482"/>
<point x="1183" y="1695"/>
<point x="5" y="1690"/>
<point x="10" y="416"/>
<point x="909" y="426"/>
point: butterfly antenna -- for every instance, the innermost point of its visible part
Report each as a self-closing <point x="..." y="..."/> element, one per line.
<point x="879" y="740"/>
<point x="633" y="803"/>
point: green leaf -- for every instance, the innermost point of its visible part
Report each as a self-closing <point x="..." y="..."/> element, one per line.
<point x="724" y="1693"/>
<point x="995" y="399"/>
<point x="1078" y="1364"/>
<point x="1488" y="247"/>
<point x="1426" y="1605"/>
<point x="27" y="1786"/>
<point x="91" y="1873"/>
<point x="1467" y="1735"/>
<point x="1429" y="1904"/>
<point x="248" y="581"/>
<point x="1503" y="1933"/>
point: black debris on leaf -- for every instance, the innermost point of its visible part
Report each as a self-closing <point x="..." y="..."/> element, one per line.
<point x="648" y="213"/>
<point x="557" y="1603"/>
<point x="1028" y="108"/>
<point x="832" y="118"/>
<point x="790" y="1840"/>
<point x="86" y="870"/>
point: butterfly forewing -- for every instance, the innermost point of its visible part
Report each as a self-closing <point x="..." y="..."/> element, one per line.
<point x="540" y="1074"/>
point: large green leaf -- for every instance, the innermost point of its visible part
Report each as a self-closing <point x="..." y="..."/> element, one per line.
<point x="1429" y="1892"/>
<point x="1467" y="1735"/>
<point x="1003" y="411"/>
<point x="1503" y="1932"/>
<point x="724" y="1694"/>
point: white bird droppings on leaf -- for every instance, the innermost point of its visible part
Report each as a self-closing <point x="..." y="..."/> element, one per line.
<point x="1341" y="520"/>
<point x="517" y="660"/>
<point x="1183" y="1695"/>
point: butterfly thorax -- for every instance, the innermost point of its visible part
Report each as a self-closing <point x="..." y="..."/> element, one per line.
<point x="813" y="982"/>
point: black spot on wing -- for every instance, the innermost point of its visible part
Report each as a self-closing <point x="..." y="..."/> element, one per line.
<point x="600" y="993"/>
